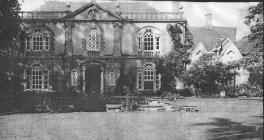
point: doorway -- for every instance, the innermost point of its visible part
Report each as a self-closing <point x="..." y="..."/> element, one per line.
<point x="93" y="79"/>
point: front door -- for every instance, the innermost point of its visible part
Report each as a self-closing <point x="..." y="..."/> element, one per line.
<point x="93" y="79"/>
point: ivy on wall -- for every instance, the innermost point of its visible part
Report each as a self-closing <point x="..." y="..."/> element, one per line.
<point x="173" y="64"/>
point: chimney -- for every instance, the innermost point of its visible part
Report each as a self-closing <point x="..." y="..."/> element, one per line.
<point x="175" y="6"/>
<point x="209" y="19"/>
<point x="242" y="29"/>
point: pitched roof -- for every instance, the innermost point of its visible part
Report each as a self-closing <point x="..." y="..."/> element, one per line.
<point x="244" y="45"/>
<point x="210" y="36"/>
<point x="124" y="6"/>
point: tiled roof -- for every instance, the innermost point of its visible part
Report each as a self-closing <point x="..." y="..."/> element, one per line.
<point x="210" y="36"/>
<point x="124" y="6"/>
<point x="244" y="45"/>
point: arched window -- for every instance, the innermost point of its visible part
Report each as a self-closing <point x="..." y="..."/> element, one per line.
<point x="148" y="78"/>
<point x="93" y="40"/>
<point x="37" y="78"/>
<point x="148" y="40"/>
<point x="37" y="40"/>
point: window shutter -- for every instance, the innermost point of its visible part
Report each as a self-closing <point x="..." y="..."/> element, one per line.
<point x="158" y="81"/>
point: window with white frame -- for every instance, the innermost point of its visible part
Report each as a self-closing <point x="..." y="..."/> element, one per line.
<point x="111" y="79"/>
<point x="148" y="73"/>
<point x="148" y="41"/>
<point x="37" y="78"/>
<point x="148" y="78"/>
<point x="93" y="40"/>
<point x="74" y="77"/>
<point x="37" y="40"/>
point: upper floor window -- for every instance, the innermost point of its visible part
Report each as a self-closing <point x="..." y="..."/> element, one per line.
<point x="148" y="41"/>
<point x="93" y="40"/>
<point x="37" y="40"/>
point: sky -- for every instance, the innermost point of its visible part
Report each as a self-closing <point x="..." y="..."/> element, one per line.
<point x="224" y="14"/>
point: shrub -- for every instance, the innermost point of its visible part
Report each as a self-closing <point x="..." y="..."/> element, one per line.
<point x="209" y="77"/>
<point x="185" y="92"/>
<point x="249" y="90"/>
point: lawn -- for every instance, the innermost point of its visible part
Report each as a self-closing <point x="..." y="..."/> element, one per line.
<point x="227" y="119"/>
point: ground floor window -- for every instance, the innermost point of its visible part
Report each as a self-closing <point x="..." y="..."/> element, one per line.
<point x="37" y="78"/>
<point x="74" y="78"/>
<point x="148" y="78"/>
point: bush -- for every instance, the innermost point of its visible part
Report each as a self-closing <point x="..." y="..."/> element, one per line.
<point x="209" y="77"/>
<point x="185" y="92"/>
<point x="249" y="90"/>
<point x="35" y="101"/>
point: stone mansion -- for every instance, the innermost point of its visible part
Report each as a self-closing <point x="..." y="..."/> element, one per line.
<point x="84" y="47"/>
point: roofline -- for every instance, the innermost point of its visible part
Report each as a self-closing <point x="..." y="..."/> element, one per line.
<point x="74" y="13"/>
<point x="112" y="20"/>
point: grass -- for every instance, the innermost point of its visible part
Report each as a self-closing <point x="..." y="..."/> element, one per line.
<point x="227" y="119"/>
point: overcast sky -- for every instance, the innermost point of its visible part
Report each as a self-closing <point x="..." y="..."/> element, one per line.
<point x="224" y="14"/>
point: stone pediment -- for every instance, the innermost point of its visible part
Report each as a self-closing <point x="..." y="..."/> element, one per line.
<point x="92" y="11"/>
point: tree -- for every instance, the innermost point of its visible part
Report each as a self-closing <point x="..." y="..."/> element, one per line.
<point x="9" y="36"/>
<point x="10" y="23"/>
<point x="253" y="60"/>
<point x="173" y="64"/>
<point x="209" y="76"/>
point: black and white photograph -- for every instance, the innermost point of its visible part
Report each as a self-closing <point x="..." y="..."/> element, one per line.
<point x="131" y="70"/>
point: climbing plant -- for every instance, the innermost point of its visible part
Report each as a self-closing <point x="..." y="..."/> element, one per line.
<point x="173" y="64"/>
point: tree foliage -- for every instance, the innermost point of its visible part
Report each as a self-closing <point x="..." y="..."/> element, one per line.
<point x="253" y="60"/>
<point x="10" y="29"/>
<point x="209" y="76"/>
<point x="173" y="64"/>
<point x="9" y="24"/>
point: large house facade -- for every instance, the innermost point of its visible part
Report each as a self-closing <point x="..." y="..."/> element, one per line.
<point x="85" y="47"/>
